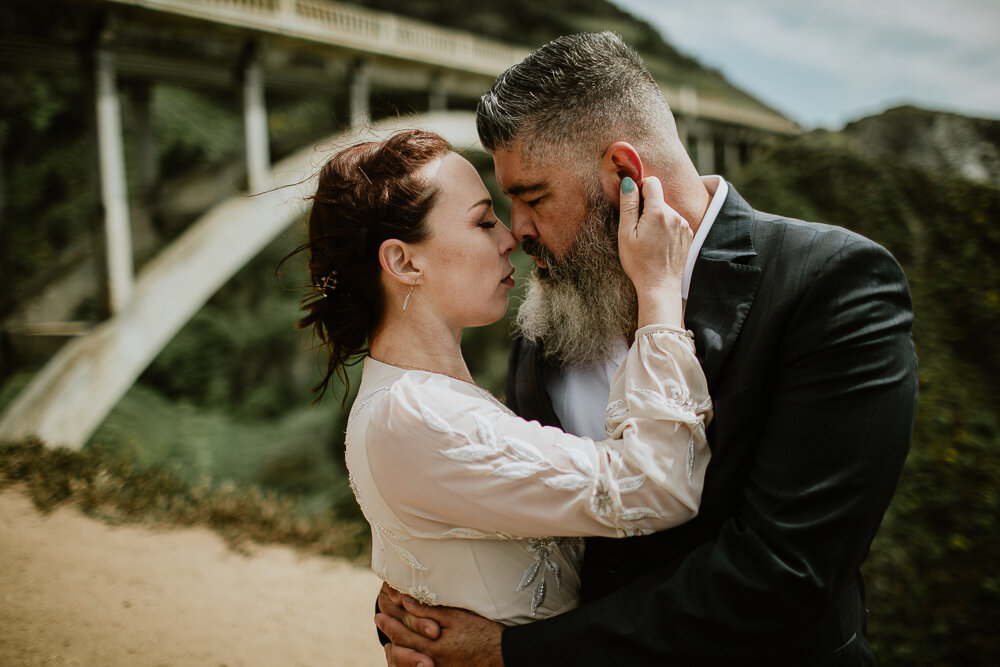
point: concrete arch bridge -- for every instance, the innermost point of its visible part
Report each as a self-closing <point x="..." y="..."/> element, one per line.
<point x="249" y="48"/>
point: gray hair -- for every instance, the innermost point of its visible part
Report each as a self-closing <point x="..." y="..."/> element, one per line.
<point x="578" y="93"/>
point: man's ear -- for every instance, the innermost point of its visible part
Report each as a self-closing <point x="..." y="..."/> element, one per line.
<point x="400" y="262"/>
<point x="620" y="160"/>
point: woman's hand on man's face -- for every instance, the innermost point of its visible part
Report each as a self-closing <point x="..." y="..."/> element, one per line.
<point x="653" y="243"/>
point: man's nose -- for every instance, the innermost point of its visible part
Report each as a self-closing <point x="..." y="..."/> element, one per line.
<point x="520" y="221"/>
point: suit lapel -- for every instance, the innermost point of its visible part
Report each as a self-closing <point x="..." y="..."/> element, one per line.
<point x="533" y="400"/>
<point x="723" y="285"/>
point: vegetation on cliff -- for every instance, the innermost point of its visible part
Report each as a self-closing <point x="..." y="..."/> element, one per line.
<point x="934" y="585"/>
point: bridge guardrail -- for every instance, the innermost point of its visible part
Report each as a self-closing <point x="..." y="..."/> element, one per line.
<point x="345" y="25"/>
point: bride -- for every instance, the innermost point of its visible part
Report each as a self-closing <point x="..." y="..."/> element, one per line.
<point x="469" y="505"/>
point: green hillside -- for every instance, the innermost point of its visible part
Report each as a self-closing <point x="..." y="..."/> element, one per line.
<point x="934" y="586"/>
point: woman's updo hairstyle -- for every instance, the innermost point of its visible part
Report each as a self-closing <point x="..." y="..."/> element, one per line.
<point x="367" y="193"/>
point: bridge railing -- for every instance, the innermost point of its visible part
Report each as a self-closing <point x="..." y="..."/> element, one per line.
<point x="379" y="33"/>
<point x="354" y="27"/>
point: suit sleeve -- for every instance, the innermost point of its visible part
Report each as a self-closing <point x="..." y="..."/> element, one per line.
<point x="825" y="468"/>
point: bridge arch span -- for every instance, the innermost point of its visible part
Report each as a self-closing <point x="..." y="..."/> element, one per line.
<point x="69" y="398"/>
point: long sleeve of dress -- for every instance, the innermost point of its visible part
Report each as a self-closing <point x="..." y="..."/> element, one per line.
<point x="451" y="463"/>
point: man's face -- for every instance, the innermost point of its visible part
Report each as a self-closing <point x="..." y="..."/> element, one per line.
<point x="579" y="303"/>
<point x="548" y="202"/>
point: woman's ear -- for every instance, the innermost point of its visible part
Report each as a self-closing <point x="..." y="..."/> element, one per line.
<point x="399" y="262"/>
<point x="620" y="160"/>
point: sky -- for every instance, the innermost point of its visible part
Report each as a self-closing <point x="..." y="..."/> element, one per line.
<point x="826" y="62"/>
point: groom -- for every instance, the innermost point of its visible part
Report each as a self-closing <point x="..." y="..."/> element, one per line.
<point x="803" y="331"/>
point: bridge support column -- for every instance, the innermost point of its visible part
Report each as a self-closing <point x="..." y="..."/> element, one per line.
<point x="360" y="94"/>
<point x="705" y="149"/>
<point x="437" y="97"/>
<point x="3" y="196"/>
<point x="114" y="190"/>
<point x="148" y="166"/>
<point x="731" y="157"/>
<point x="255" y="132"/>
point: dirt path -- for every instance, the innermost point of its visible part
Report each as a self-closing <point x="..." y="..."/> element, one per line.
<point x="74" y="591"/>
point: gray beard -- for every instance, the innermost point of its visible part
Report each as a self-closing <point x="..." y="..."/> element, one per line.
<point x="583" y="305"/>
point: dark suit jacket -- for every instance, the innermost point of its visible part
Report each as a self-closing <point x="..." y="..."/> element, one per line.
<point x="803" y="331"/>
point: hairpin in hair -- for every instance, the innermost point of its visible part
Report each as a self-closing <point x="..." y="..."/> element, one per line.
<point x="327" y="284"/>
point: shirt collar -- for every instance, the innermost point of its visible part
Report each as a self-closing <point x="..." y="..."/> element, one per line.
<point x="718" y="189"/>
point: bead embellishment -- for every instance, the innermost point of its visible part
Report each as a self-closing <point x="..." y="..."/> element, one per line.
<point x="541" y="549"/>
<point x="422" y="594"/>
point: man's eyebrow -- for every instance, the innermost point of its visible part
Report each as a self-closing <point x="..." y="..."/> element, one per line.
<point x="516" y="190"/>
<point x="485" y="200"/>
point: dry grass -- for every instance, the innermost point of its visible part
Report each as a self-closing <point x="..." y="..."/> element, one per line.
<point x="111" y="489"/>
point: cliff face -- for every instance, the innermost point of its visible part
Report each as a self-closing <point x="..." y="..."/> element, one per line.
<point x="935" y="141"/>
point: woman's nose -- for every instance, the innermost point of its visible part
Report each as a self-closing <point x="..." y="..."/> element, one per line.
<point x="507" y="241"/>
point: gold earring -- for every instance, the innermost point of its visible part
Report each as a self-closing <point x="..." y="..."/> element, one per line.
<point x="406" y="301"/>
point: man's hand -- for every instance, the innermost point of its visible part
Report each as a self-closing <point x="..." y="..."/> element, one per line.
<point x="390" y="601"/>
<point x="429" y="636"/>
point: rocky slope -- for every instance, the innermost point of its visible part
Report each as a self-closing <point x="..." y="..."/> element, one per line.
<point x="936" y="141"/>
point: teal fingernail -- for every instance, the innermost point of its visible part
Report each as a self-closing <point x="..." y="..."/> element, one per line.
<point x="628" y="185"/>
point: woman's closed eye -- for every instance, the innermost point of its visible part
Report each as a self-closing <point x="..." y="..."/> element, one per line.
<point x="488" y="224"/>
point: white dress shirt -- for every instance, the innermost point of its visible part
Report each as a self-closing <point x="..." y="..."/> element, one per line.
<point x="579" y="394"/>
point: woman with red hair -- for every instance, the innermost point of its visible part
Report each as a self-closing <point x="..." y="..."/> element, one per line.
<point x="469" y="505"/>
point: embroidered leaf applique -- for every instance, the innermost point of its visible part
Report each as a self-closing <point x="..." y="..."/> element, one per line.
<point x="407" y="557"/>
<point x="362" y="402"/>
<point x="433" y="421"/>
<point x="578" y="458"/>
<point x="538" y="596"/>
<point x="553" y="567"/>
<point x="469" y="453"/>
<point x="690" y="459"/>
<point x="529" y="576"/>
<point x="568" y="482"/>
<point x="630" y="484"/>
<point x="391" y="533"/>
<point x="487" y="435"/>
<point x="617" y="410"/>
<point x="467" y="533"/>
<point x="517" y="470"/>
<point x="523" y="450"/>
<point x="638" y="513"/>
<point x="653" y="397"/>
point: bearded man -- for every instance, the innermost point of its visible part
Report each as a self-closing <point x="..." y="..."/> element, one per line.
<point x="803" y="331"/>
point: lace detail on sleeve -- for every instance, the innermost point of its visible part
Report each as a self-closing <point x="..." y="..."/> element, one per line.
<point x="515" y="459"/>
<point x="493" y="474"/>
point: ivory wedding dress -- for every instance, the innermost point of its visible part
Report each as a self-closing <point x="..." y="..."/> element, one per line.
<point x="471" y="506"/>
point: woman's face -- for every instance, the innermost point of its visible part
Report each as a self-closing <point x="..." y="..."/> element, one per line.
<point x="466" y="257"/>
